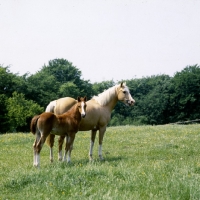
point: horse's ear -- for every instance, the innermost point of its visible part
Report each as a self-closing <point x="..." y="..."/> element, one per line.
<point x="123" y="84"/>
<point x="85" y="98"/>
<point x="79" y="99"/>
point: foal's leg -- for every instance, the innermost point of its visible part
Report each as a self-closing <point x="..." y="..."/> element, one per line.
<point x="93" y="135"/>
<point x="34" y="148"/>
<point x="38" y="148"/>
<point x="60" y="143"/>
<point x="101" y="134"/>
<point x="51" y="143"/>
<point x="34" y="152"/>
<point x="69" y="147"/>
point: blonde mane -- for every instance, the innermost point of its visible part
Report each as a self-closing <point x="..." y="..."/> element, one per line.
<point x="104" y="97"/>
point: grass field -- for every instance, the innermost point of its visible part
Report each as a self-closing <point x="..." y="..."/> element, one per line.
<point x="141" y="162"/>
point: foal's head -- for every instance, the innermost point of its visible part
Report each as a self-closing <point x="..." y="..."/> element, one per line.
<point x="82" y="106"/>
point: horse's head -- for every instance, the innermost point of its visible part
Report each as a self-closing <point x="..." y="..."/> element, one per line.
<point x="124" y="94"/>
<point x="82" y="106"/>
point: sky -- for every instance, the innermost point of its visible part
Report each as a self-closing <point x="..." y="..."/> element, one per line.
<point x="105" y="39"/>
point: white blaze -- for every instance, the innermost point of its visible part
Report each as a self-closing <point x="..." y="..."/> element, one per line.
<point x="82" y="111"/>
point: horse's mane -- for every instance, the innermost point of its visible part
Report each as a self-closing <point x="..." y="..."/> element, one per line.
<point x="104" y="97"/>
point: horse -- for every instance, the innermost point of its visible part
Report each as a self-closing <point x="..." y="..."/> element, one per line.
<point x="99" y="110"/>
<point x="66" y="124"/>
<point x="57" y="106"/>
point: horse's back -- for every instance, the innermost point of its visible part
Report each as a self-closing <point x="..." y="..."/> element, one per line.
<point x="51" y="106"/>
<point x="46" y="120"/>
<point x="63" y="105"/>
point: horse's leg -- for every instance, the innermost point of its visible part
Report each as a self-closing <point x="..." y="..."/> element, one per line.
<point x="38" y="149"/>
<point x="101" y="134"/>
<point x="34" y="152"/>
<point x="34" y="147"/>
<point x="60" y="143"/>
<point x="51" y="143"/>
<point x="69" y="147"/>
<point x="93" y="135"/>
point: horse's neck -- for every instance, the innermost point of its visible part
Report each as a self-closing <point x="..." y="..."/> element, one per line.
<point x="111" y="103"/>
<point x="108" y="98"/>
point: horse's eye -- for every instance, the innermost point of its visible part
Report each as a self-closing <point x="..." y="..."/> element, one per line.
<point x="124" y="92"/>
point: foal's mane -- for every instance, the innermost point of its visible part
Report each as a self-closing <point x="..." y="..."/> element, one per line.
<point x="104" y="97"/>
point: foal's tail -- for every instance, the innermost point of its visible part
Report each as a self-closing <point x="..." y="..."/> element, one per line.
<point x="34" y="124"/>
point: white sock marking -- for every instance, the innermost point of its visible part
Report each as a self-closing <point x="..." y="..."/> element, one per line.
<point x="100" y="150"/>
<point x="91" y="147"/>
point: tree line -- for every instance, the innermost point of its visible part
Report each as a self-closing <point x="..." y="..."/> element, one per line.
<point x="160" y="99"/>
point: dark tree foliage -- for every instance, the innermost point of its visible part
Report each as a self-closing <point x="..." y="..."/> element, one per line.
<point x="63" y="71"/>
<point x="42" y="87"/>
<point x="7" y="81"/>
<point x="20" y="112"/>
<point x="3" y="114"/>
<point x="100" y="87"/>
<point x="20" y="108"/>
<point x="152" y="98"/>
<point x="56" y="80"/>
<point x="185" y="95"/>
<point x="160" y="99"/>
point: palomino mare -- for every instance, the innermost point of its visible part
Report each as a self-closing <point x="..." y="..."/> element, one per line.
<point x="98" y="115"/>
<point x="66" y="124"/>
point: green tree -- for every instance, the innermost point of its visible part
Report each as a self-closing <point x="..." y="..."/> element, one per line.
<point x="42" y="88"/>
<point x="69" y="89"/>
<point x="62" y="70"/>
<point x="20" y="112"/>
<point x="156" y="101"/>
<point x="152" y="99"/>
<point x="100" y="87"/>
<point x="57" y="79"/>
<point x="185" y="99"/>
<point x="4" y="124"/>
<point x="7" y="81"/>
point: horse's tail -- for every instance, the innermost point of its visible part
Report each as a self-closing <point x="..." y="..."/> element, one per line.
<point x="34" y="124"/>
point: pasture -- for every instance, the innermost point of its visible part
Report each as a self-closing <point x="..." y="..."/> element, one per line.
<point x="141" y="162"/>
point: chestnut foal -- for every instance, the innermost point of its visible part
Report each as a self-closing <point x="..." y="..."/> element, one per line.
<point x="66" y="124"/>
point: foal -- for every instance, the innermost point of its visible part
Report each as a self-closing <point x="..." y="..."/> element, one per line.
<point x="66" y="124"/>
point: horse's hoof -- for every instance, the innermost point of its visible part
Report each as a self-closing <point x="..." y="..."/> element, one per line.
<point x="68" y="162"/>
<point x="91" y="159"/>
<point x="101" y="158"/>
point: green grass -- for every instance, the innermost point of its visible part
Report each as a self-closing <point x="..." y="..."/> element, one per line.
<point x="144" y="162"/>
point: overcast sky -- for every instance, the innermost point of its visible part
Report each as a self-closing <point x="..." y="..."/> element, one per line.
<point x="105" y="39"/>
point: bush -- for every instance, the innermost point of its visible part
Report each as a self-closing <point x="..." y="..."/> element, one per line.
<point x="20" y="112"/>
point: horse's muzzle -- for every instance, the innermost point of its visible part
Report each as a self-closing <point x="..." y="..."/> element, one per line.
<point x="83" y="115"/>
<point x="130" y="103"/>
